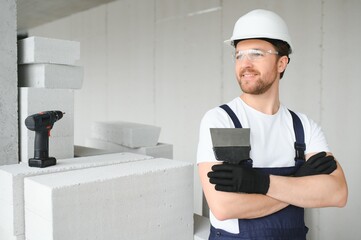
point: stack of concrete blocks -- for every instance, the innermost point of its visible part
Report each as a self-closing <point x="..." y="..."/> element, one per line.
<point x="111" y="196"/>
<point x="47" y="77"/>
<point x="119" y="136"/>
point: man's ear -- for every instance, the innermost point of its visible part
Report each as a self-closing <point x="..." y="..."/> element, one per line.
<point x="282" y="63"/>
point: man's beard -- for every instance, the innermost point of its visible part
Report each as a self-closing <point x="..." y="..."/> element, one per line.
<point x="255" y="88"/>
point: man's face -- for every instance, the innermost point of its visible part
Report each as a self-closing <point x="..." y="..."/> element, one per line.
<point x="256" y="71"/>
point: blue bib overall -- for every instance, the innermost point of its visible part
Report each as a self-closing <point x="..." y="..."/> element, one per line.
<point x="286" y="224"/>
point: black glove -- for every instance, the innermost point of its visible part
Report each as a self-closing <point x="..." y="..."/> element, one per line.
<point x="238" y="178"/>
<point x="317" y="164"/>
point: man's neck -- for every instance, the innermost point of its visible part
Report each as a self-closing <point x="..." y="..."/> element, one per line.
<point x="266" y="103"/>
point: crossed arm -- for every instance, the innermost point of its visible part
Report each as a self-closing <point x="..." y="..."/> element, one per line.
<point x="311" y="191"/>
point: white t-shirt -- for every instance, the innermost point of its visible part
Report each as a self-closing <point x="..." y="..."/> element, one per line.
<point x="272" y="140"/>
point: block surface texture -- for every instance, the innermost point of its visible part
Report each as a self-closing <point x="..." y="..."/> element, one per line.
<point x="8" y="84"/>
<point x="128" y="134"/>
<point x="50" y="76"/>
<point x="137" y="200"/>
<point x="48" y="50"/>
<point x="12" y="186"/>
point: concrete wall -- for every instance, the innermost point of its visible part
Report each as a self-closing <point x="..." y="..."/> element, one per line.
<point x="163" y="62"/>
<point x="8" y="83"/>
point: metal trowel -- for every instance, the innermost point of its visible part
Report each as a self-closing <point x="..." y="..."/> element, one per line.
<point x="231" y="144"/>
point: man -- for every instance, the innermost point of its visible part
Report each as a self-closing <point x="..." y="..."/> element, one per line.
<point x="266" y="201"/>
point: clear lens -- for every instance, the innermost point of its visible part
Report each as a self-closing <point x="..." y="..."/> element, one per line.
<point x="252" y="54"/>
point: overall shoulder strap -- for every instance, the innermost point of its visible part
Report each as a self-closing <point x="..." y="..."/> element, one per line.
<point x="232" y="115"/>
<point x="300" y="145"/>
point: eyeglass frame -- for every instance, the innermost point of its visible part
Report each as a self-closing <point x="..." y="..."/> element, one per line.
<point x="247" y="53"/>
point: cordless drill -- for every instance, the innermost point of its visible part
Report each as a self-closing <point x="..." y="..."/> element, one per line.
<point x="42" y="123"/>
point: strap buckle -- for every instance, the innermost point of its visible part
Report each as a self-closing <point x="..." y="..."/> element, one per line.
<point x="300" y="150"/>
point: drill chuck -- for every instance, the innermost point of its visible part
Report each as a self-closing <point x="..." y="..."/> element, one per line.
<point x="42" y="123"/>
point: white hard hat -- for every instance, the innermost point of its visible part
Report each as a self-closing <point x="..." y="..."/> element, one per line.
<point x="260" y="23"/>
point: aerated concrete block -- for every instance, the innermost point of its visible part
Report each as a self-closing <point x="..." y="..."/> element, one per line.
<point x="81" y="151"/>
<point x="137" y="200"/>
<point x="128" y="134"/>
<point x="161" y="150"/>
<point x="201" y="227"/>
<point x="48" y="50"/>
<point x="50" y="76"/>
<point x="35" y="100"/>
<point x="12" y="223"/>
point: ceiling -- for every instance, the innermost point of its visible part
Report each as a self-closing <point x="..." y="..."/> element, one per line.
<point x="32" y="13"/>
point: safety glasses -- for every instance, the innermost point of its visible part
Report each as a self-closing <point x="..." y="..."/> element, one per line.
<point x="252" y="54"/>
